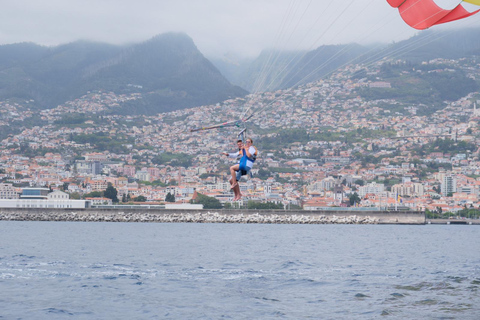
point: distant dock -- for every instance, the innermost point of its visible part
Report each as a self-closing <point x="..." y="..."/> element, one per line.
<point x="454" y="221"/>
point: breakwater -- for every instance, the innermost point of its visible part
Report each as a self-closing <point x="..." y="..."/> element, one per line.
<point x="212" y="216"/>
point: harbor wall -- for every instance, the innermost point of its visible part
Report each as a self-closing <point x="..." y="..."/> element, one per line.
<point x="212" y="216"/>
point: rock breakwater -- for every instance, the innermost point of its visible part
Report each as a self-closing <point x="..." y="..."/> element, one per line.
<point x="200" y="216"/>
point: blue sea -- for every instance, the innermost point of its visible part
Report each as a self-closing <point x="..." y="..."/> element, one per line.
<point x="77" y="270"/>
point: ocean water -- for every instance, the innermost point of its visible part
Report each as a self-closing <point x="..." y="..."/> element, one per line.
<point x="75" y="270"/>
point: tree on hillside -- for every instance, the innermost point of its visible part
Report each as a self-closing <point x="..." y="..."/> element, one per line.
<point x="140" y="199"/>
<point x="263" y="206"/>
<point x="170" y="197"/>
<point x="263" y="174"/>
<point x="75" y="195"/>
<point x="93" y="194"/>
<point x="111" y="193"/>
<point x="360" y="182"/>
<point x="208" y="202"/>
<point x="354" y="198"/>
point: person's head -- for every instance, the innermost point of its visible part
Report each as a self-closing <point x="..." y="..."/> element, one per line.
<point x="249" y="141"/>
<point x="239" y="143"/>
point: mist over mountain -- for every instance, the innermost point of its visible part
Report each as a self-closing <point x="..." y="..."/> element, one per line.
<point x="170" y="73"/>
<point x="433" y="44"/>
<point x="273" y="70"/>
<point x="264" y="73"/>
<point x="168" y="70"/>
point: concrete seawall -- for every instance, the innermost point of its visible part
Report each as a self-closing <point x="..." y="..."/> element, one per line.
<point x="212" y="216"/>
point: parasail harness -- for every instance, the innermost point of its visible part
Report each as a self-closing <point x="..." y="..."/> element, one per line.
<point x="242" y="135"/>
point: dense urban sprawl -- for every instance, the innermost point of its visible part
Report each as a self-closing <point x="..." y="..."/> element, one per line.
<point x="352" y="151"/>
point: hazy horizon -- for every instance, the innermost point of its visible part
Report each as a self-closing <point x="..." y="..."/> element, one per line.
<point x="243" y="28"/>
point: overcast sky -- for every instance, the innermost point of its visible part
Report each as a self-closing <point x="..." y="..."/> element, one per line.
<point x="218" y="27"/>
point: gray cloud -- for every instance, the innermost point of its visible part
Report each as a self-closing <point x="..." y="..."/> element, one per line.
<point x="244" y="27"/>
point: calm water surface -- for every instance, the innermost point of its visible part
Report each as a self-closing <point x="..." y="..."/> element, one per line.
<point x="60" y="270"/>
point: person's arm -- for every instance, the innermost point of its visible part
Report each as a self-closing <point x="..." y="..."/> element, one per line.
<point x="231" y="155"/>
<point x="250" y="151"/>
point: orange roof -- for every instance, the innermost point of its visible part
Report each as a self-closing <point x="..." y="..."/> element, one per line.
<point x="195" y="195"/>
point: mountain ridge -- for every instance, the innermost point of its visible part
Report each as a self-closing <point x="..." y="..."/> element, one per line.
<point x="167" y="69"/>
<point x="300" y="67"/>
<point x="171" y="73"/>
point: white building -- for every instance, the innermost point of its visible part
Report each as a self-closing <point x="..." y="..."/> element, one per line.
<point x="373" y="187"/>
<point x="323" y="185"/>
<point x="8" y="191"/>
<point x="35" y="193"/>
<point x="58" y="195"/>
<point x="183" y="206"/>
<point x="142" y="175"/>
<point x="40" y="203"/>
<point x="408" y="189"/>
<point x="41" y="198"/>
<point x="100" y="201"/>
<point x="449" y="185"/>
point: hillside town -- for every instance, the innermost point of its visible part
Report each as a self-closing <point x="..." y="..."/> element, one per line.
<point x="354" y="153"/>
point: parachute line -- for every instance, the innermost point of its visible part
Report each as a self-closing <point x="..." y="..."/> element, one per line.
<point x="267" y="79"/>
<point x="365" y="58"/>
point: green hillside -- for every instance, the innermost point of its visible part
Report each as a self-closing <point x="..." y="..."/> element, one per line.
<point x="168" y="70"/>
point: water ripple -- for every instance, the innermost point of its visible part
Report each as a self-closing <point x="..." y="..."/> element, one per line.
<point x="189" y="271"/>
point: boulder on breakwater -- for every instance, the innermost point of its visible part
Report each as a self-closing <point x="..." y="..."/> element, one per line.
<point x="206" y="216"/>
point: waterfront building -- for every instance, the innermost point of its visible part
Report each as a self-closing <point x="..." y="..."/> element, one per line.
<point x="408" y="189"/>
<point x="58" y="195"/>
<point x="35" y="193"/>
<point x="8" y="191"/>
<point x="41" y="198"/>
<point x="373" y="187"/>
<point x="97" y="185"/>
<point x="43" y="203"/>
<point x="338" y="192"/>
<point x="100" y="201"/>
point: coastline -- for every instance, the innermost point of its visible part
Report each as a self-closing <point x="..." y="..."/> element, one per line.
<point x="213" y="216"/>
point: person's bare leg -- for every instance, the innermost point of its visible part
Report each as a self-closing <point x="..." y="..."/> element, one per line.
<point x="236" y="193"/>
<point x="233" y="173"/>
<point x="236" y="189"/>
